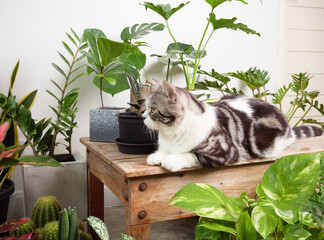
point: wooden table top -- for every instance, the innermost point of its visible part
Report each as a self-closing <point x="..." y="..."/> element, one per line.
<point x="132" y="166"/>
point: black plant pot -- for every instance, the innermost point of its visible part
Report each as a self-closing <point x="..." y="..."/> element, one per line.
<point x="134" y="136"/>
<point x="6" y="191"/>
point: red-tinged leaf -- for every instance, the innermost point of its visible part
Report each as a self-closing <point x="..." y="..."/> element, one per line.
<point x="39" y="161"/>
<point x="3" y="130"/>
<point x="28" y="236"/>
<point x="7" y="153"/>
<point x="12" y="224"/>
<point x="8" y="162"/>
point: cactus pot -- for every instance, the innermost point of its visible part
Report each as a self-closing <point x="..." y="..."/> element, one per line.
<point x="134" y="136"/>
<point x="6" y="191"/>
<point x="104" y="124"/>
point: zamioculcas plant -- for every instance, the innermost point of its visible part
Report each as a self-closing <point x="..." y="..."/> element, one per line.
<point x="282" y="209"/>
<point x="185" y="54"/>
<point x="66" y="101"/>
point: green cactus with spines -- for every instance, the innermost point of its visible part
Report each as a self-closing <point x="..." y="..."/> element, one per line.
<point x="25" y="228"/>
<point x="84" y="236"/>
<point x="49" y="231"/>
<point x="46" y="209"/>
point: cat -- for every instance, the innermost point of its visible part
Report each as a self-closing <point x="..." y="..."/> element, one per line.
<point x="196" y="134"/>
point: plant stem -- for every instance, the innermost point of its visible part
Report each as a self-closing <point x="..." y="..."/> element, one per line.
<point x="265" y="93"/>
<point x="198" y="57"/>
<point x="168" y="69"/>
<point x="302" y="117"/>
<point x="58" y="119"/>
<point x="101" y="98"/>
<point x="181" y="56"/>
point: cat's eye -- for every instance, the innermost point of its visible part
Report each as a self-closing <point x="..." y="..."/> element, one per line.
<point x="153" y="109"/>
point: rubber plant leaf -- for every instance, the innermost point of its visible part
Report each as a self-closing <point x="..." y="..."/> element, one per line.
<point x="230" y="24"/>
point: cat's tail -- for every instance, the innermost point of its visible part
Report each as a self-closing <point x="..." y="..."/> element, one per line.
<point x="307" y="131"/>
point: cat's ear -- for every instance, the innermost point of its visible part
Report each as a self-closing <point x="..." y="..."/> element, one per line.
<point x="170" y="90"/>
<point x="156" y="84"/>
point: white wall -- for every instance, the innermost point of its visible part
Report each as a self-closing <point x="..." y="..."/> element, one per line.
<point x="32" y="31"/>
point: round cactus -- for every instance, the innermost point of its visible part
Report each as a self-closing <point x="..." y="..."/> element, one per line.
<point x="49" y="231"/>
<point x="25" y="228"/>
<point x="46" y="209"/>
<point x="84" y="236"/>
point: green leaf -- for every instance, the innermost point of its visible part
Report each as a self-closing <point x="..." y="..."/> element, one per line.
<point x="164" y="10"/>
<point x="69" y="100"/>
<point x="99" y="227"/>
<point x="52" y="94"/>
<point x="264" y="220"/>
<point x="215" y="3"/>
<point x="244" y="227"/>
<point x="280" y="94"/>
<point x="13" y="77"/>
<point x="64" y="58"/>
<point x="134" y="86"/>
<point x="230" y="24"/>
<point x="39" y="161"/>
<point x="126" y="237"/>
<point x="216" y="227"/>
<point x="133" y="56"/>
<point x="138" y="31"/>
<point x="294" y="232"/>
<point x="68" y="49"/>
<point x="75" y="35"/>
<point x="59" y="69"/>
<point x="290" y="180"/>
<point x="290" y="216"/>
<point x="29" y="99"/>
<point x="206" y="201"/>
<point x="300" y="81"/>
<point x="109" y="50"/>
<point x="71" y="39"/>
<point x="91" y="36"/>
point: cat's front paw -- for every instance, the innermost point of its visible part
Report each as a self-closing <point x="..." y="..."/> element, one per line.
<point x="175" y="162"/>
<point x="154" y="159"/>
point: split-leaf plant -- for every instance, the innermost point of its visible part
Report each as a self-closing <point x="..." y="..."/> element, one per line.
<point x="185" y="54"/>
<point x="66" y="108"/>
<point x="284" y="208"/>
<point x="256" y="80"/>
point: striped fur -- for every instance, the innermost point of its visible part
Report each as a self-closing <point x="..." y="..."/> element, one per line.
<point x="236" y="128"/>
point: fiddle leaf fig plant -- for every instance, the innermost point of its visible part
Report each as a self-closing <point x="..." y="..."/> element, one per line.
<point x="185" y="54"/>
<point x="109" y="76"/>
<point x="280" y="211"/>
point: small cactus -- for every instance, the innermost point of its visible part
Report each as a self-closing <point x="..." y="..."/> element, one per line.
<point x="46" y="210"/>
<point x="68" y="226"/>
<point x="27" y="227"/>
<point x="84" y="236"/>
<point x="49" y="231"/>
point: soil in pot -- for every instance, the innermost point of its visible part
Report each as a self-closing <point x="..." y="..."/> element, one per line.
<point x="64" y="158"/>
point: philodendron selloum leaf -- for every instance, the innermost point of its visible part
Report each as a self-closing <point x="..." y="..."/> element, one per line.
<point x="164" y="10"/>
<point x="206" y="201"/>
<point x="290" y="180"/>
<point x="230" y="24"/>
<point x="215" y="3"/>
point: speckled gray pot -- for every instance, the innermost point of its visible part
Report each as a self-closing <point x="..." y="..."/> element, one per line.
<point x="104" y="124"/>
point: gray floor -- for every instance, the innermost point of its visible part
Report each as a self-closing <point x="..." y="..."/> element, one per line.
<point x="182" y="229"/>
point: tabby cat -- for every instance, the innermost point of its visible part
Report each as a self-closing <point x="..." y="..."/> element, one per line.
<point x="236" y="128"/>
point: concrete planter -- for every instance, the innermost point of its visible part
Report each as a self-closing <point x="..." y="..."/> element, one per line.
<point x="104" y="124"/>
<point x="68" y="185"/>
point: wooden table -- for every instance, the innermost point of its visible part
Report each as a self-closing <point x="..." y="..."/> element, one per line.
<point x="146" y="190"/>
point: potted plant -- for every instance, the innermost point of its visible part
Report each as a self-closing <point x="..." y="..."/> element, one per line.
<point x="288" y="205"/>
<point x="116" y="69"/>
<point x="8" y="160"/>
<point x="184" y="54"/>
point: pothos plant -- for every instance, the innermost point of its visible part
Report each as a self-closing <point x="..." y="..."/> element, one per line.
<point x="185" y="54"/>
<point x="289" y="204"/>
<point x="256" y="80"/>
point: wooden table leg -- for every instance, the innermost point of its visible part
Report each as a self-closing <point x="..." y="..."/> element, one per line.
<point x="139" y="232"/>
<point x="95" y="201"/>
